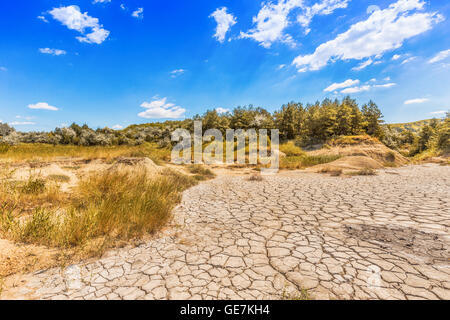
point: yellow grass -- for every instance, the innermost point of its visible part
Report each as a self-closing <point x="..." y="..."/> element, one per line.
<point x="46" y="152"/>
<point x="105" y="207"/>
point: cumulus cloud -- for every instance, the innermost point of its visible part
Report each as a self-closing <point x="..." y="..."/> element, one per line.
<point x="383" y="31"/>
<point x="325" y="7"/>
<point x="273" y="19"/>
<point x="224" y="22"/>
<point x="372" y="8"/>
<point x="42" y="106"/>
<point x="222" y="110"/>
<point x="440" y="56"/>
<point x="73" y="19"/>
<point x="160" y="109"/>
<point x="341" y="85"/>
<point x="351" y="86"/>
<point x="138" y="13"/>
<point x="101" y="1"/>
<point x="271" y="22"/>
<point x="395" y="57"/>
<point x="416" y="101"/>
<point x="53" y="52"/>
<point x="356" y="89"/>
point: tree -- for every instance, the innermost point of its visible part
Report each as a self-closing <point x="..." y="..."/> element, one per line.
<point x="373" y="119"/>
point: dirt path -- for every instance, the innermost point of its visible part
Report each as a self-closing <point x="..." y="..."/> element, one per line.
<point x="384" y="236"/>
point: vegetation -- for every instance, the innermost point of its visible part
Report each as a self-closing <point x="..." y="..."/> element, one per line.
<point x="432" y="138"/>
<point x="313" y="123"/>
<point x="105" y="207"/>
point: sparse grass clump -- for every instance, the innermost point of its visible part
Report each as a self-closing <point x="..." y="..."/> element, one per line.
<point x="332" y="172"/>
<point x="106" y="207"/>
<point x="299" y="162"/>
<point x="58" y="178"/>
<point x="33" y="186"/>
<point x="256" y="177"/>
<point x="364" y="172"/>
<point x="201" y="173"/>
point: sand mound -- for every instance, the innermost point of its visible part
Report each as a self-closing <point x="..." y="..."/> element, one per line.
<point x="146" y="164"/>
<point x="362" y="146"/>
<point x="350" y="163"/>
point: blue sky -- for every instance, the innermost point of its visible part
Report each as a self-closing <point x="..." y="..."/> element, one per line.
<point x="120" y="62"/>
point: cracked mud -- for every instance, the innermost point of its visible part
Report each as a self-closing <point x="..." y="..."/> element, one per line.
<point x="381" y="237"/>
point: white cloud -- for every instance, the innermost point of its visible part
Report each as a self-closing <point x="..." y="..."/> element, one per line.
<point x="54" y="52"/>
<point x="271" y="22"/>
<point x="222" y="110"/>
<point x="439" y="112"/>
<point x="176" y="73"/>
<point x="224" y="22"/>
<point x="73" y="19"/>
<point x="356" y="89"/>
<point x="372" y="8"/>
<point x="122" y="6"/>
<point x="3" y="69"/>
<point x="386" y="85"/>
<point x="383" y="31"/>
<point x="409" y="60"/>
<point x="160" y="109"/>
<point x="281" y="66"/>
<point x="42" y="106"/>
<point x="117" y="127"/>
<point x="440" y="56"/>
<point x="42" y="18"/>
<point x="101" y="1"/>
<point x="325" y="7"/>
<point x="274" y="18"/>
<point x="396" y="57"/>
<point x="363" y="65"/>
<point x="22" y="123"/>
<point x="416" y="101"/>
<point x="138" y="14"/>
<point x="345" y="84"/>
<point x="351" y="86"/>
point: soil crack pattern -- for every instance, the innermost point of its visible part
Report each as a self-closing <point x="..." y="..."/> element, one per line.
<point x="368" y="237"/>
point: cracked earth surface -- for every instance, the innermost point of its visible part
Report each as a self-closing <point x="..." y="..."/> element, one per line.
<point x="377" y="237"/>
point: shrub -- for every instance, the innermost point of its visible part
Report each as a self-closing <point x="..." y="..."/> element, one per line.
<point x="290" y="149"/>
<point x="34" y="186"/>
<point x="256" y="177"/>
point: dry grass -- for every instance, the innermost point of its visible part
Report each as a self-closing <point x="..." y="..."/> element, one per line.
<point x="290" y="149"/>
<point x="46" y="152"/>
<point x="305" y="161"/>
<point x="363" y="172"/>
<point x="105" y="208"/>
<point x="256" y="177"/>
<point x="26" y="196"/>
<point x="332" y="172"/>
<point x="200" y="172"/>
